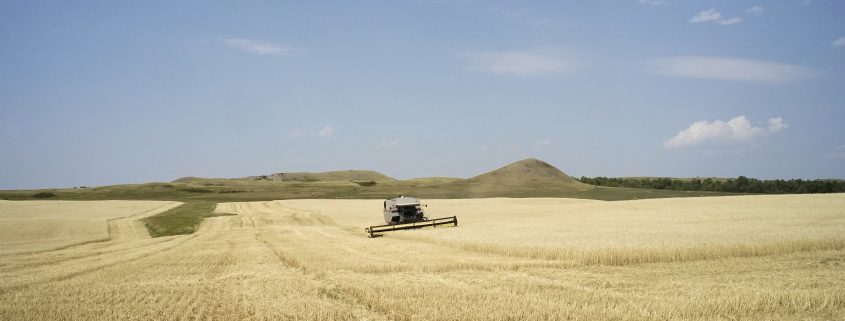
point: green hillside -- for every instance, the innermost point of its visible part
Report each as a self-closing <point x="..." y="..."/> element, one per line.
<point x="332" y="176"/>
<point x="525" y="178"/>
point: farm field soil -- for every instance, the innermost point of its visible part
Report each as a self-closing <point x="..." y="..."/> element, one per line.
<point x="720" y="258"/>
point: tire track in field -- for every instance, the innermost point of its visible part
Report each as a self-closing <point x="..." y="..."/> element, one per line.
<point x="326" y="288"/>
<point x="292" y="222"/>
<point x="181" y="283"/>
<point x="116" y="227"/>
<point x="269" y="227"/>
<point x="331" y="247"/>
<point x="78" y="253"/>
<point x="395" y="259"/>
<point x="287" y="259"/>
<point x="340" y="242"/>
<point x="89" y="268"/>
<point x="129" y="227"/>
<point x="317" y="249"/>
<point x="89" y="250"/>
<point x="54" y="249"/>
<point x="224" y="262"/>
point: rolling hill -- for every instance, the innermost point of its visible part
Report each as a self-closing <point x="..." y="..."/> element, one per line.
<point x="526" y="174"/>
<point x="519" y="179"/>
<point x="524" y="178"/>
<point x="331" y="176"/>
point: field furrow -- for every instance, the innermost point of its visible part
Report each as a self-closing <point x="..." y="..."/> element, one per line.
<point x="310" y="260"/>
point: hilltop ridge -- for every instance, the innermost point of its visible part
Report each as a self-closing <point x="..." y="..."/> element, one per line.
<point x="525" y="177"/>
<point x="304" y="177"/>
<point x="526" y="170"/>
<point x="331" y="176"/>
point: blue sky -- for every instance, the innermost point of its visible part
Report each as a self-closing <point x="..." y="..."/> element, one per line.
<point x="106" y="92"/>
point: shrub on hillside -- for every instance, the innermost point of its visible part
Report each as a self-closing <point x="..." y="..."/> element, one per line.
<point x="44" y="195"/>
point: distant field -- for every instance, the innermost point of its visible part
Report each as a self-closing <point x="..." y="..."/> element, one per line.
<point x="525" y="178"/>
<point x="239" y="191"/>
<point x="33" y="226"/>
<point x="589" y="231"/>
<point x="716" y="258"/>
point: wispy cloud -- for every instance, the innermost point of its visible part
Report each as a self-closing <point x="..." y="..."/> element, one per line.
<point x="711" y="15"/>
<point x="260" y="47"/>
<point x="727" y="68"/>
<point x="839" y="42"/>
<point x="706" y="15"/>
<point x="776" y="124"/>
<point x="756" y="10"/>
<point x="728" y="22"/>
<point x="530" y="63"/>
<point x="737" y="130"/>
<point x="326" y="132"/>
<point x="296" y="132"/>
<point x="654" y="2"/>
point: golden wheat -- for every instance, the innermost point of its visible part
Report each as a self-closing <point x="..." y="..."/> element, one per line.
<point x="33" y="226"/>
<point x="734" y="258"/>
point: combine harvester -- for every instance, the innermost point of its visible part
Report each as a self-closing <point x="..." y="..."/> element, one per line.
<point x="405" y="213"/>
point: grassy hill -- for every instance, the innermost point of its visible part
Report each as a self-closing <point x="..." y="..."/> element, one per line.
<point x="432" y="180"/>
<point x="525" y="178"/>
<point x="332" y="176"/>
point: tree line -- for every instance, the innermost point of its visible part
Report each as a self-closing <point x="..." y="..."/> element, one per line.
<point x="740" y="184"/>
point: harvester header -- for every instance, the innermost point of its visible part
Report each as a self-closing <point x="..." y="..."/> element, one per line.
<point x="404" y="213"/>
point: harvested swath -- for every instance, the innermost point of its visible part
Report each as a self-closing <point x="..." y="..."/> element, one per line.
<point x="625" y="232"/>
<point x="33" y="226"/>
<point x="310" y="260"/>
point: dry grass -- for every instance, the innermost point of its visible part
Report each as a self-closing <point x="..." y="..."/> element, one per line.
<point x="310" y="260"/>
<point x="644" y="231"/>
<point x="33" y="226"/>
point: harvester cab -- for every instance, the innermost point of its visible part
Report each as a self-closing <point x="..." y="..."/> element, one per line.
<point x="403" y="213"/>
<point x="403" y="210"/>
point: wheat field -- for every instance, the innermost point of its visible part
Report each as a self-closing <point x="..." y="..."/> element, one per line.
<point x="719" y="258"/>
<point x="38" y="226"/>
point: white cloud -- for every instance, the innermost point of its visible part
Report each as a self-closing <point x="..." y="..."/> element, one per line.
<point x="838" y="153"/>
<point x="654" y="2"/>
<point x="728" y="22"/>
<point x="756" y="10"/>
<point x="711" y="15"/>
<point x="326" y="132"/>
<point x="706" y="15"/>
<point x="737" y="130"/>
<point x="727" y="68"/>
<point x="776" y="124"/>
<point x="260" y="47"/>
<point x="530" y="63"/>
<point x="839" y="43"/>
<point x="296" y="132"/>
